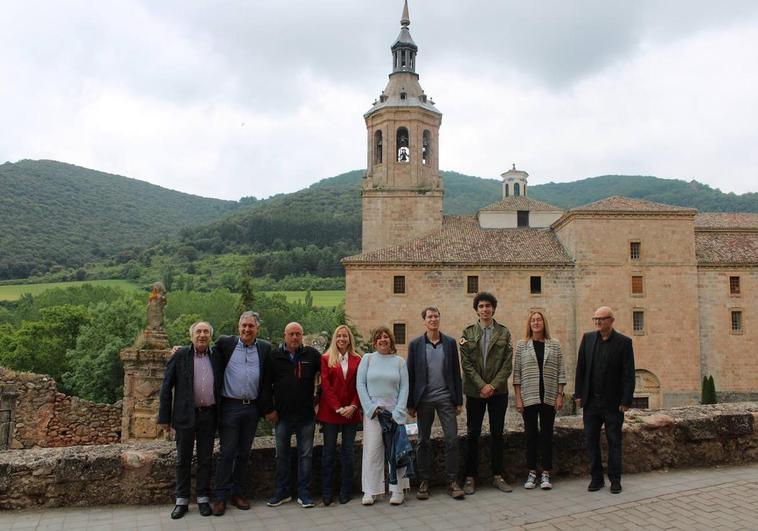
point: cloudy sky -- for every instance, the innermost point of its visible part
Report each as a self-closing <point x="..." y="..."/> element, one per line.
<point x="251" y="97"/>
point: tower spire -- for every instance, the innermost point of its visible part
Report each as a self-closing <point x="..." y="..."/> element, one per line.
<point x="404" y="50"/>
<point x="405" y="21"/>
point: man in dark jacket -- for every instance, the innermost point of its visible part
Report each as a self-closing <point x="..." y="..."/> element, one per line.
<point x="188" y="399"/>
<point x="434" y="378"/>
<point x="244" y="361"/>
<point x="604" y="387"/>
<point x="292" y="382"/>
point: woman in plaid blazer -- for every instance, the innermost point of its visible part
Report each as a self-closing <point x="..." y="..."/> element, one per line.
<point x="538" y="380"/>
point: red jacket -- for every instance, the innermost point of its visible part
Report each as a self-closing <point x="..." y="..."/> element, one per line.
<point x="338" y="391"/>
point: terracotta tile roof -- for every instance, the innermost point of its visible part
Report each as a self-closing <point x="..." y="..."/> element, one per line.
<point x="726" y="220"/>
<point x="726" y="247"/>
<point x="618" y="203"/>
<point x="462" y="241"/>
<point x="521" y="203"/>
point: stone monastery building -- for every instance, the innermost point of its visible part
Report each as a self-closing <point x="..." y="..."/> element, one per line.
<point x="682" y="284"/>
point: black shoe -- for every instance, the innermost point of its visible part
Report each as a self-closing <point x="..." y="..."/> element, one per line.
<point x="327" y="501"/>
<point x="204" y="509"/>
<point x="344" y="498"/>
<point x="616" y="486"/>
<point x="178" y="512"/>
<point x="596" y="484"/>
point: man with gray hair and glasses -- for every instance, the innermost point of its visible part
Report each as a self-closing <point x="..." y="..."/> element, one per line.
<point x="604" y="389"/>
<point x="188" y="399"/>
<point x="244" y="360"/>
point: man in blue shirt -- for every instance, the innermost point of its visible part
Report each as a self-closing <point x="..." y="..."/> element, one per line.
<point x="243" y="359"/>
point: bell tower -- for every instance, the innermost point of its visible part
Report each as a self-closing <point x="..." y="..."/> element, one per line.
<point x="402" y="190"/>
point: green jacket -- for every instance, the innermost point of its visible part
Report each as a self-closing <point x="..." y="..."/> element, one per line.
<point x="499" y="359"/>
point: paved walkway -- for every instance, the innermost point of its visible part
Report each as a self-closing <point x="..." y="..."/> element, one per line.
<point x="723" y="498"/>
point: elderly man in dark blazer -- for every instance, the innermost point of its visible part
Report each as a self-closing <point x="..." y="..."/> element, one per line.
<point x="434" y="377"/>
<point x="604" y="388"/>
<point x="188" y="399"/>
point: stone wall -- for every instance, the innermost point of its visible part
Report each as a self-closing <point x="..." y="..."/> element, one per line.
<point x="46" y="418"/>
<point x="143" y="473"/>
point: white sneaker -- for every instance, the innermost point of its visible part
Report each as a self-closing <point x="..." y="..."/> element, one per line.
<point x="397" y="498"/>
<point x="545" y="481"/>
<point x="368" y="499"/>
<point x="531" y="480"/>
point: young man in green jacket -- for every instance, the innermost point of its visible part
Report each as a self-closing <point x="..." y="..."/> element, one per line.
<point x="487" y="359"/>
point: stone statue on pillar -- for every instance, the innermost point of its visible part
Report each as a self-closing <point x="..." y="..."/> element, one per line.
<point x="144" y="363"/>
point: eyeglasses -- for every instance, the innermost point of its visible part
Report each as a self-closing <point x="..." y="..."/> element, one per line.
<point x="600" y="319"/>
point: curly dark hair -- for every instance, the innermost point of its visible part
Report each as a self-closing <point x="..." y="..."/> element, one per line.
<point x="485" y="296"/>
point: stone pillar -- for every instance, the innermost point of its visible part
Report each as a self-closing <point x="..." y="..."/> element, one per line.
<point x="144" y="364"/>
<point x="8" y="395"/>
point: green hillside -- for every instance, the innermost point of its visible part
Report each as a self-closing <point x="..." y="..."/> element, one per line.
<point x="57" y="215"/>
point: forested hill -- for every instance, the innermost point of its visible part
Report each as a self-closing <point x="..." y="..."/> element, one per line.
<point x="55" y="214"/>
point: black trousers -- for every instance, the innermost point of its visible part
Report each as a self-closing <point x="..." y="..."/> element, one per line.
<point x="539" y="439"/>
<point x="496" y="406"/>
<point x="202" y="434"/>
<point x="595" y="416"/>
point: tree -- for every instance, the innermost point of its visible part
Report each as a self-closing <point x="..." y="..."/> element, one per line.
<point x="96" y="372"/>
<point x="708" y="391"/>
<point x="245" y="287"/>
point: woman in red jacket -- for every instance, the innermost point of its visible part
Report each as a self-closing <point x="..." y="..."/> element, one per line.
<point x="339" y="411"/>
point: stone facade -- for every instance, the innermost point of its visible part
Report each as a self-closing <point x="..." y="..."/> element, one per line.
<point x="43" y="417"/>
<point x="129" y="473"/>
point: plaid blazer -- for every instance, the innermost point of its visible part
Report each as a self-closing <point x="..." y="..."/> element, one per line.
<point x="526" y="371"/>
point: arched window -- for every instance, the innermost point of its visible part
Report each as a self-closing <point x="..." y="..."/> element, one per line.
<point x="516" y="189"/>
<point x="378" y="147"/>
<point x="426" y="148"/>
<point x="403" y="148"/>
<point x="507" y="190"/>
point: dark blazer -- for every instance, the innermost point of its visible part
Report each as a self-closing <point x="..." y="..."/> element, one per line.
<point x="619" y="370"/>
<point x="177" y="394"/>
<point x="225" y="346"/>
<point x="338" y="391"/>
<point x="417" y="376"/>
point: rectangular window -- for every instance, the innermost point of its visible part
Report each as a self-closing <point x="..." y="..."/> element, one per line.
<point x="522" y="218"/>
<point x="638" y="321"/>
<point x="472" y="284"/>
<point x="736" y="321"/>
<point x="640" y="402"/>
<point x="634" y="250"/>
<point x="535" y="285"/>
<point x="637" y="285"/>
<point x="734" y="285"/>
<point x="398" y="284"/>
<point x="398" y="330"/>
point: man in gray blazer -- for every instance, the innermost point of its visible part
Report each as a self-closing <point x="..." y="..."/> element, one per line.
<point x="434" y="377"/>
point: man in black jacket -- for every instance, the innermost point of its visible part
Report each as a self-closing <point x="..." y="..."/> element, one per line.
<point x="292" y="382"/>
<point x="188" y="399"/>
<point x="434" y="377"/>
<point x="604" y="388"/>
<point x="244" y="361"/>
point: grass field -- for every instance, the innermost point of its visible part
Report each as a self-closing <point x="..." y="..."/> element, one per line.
<point x="14" y="291"/>
<point x="327" y="299"/>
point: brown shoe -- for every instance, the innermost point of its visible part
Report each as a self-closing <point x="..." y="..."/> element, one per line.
<point x="499" y="483"/>
<point x="469" y="486"/>
<point x="218" y="507"/>
<point x="423" y="490"/>
<point x="455" y="491"/>
<point x="240" y="503"/>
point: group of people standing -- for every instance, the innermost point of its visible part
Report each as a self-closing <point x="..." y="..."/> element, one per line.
<point x="231" y="385"/>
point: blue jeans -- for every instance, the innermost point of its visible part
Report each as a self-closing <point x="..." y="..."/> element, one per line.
<point x="238" y="425"/>
<point x="347" y="458"/>
<point x="303" y="431"/>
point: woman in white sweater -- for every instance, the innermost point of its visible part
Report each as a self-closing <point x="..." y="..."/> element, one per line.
<point x="538" y="380"/>
<point x="382" y="383"/>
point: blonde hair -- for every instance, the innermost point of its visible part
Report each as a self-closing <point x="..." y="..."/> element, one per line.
<point x="528" y="335"/>
<point x="333" y="352"/>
